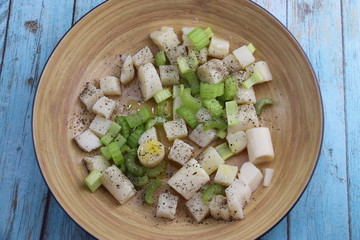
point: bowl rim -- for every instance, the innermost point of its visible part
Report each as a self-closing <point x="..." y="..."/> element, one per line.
<point x="251" y="2"/>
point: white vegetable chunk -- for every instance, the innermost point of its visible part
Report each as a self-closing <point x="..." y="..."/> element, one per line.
<point x="240" y="190"/>
<point x="88" y="141"/>
<point x="250" y="175"/>
<point x="244" y="95"/>
<point x="127" y="70"/>
<point x="244" y="56"/>
<point x="235" y="207"/>
<point x="213" y="71"/>
<point x="202" y="137"/>
<point x="210" y="160"/>
<point x="96" y="162"/>
<point x="259" y="147"/>
<point x="166" y="207"/>
<point x="100" y="125"/>
<point x="174" y="53"/>
<point x="200" y="55"/>
<point x="226" y="174"/>
<point x="186" y="40"/>
<point x="247" y="118"/>
<point x="143" y="57"/>
<point x="262" y="68"/>
<point x="177" y="103"/>
<point x="268" y="174"/>
<point x="147" y="135"/>
<point x="165" y="39"/>
<point x="231" y="63"/>
<point x="104" y="107"/>
<point x="180" y="151"/>
<point x="203" y="115"/>
<point x="118" y="184"/>
<point x="110" y="85"/>
<point x="237" y="141"/>
<point x="197" y="207"/>
<point x="90" y="95"/>
<point x="175" y="129"/>
<point x="189" y="179"/>
<point x="169" y="75"/>
<point x="219" y="208"/>
<point x="149" y="81"/>
<point x="218" y="47"/>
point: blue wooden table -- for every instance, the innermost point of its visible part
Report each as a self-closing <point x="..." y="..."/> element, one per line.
<point x="329" y="32"/>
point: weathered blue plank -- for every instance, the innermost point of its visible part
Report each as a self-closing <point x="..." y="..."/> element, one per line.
<point x="4" y="17"/>
<point x="321" y="212"/>
<point x="351" y="33"/>
<point x="29" y="43"/>
<point x="84" y="6"/>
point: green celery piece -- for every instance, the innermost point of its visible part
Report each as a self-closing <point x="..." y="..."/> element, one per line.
<point x="188" y="115"/>
<point x="106" y="139"/>
<point x="150" y="190"/>
<point x="160" y="58"/>
<point x="161" y="110"/>
<point x="156" y="171"/>
<point x="162" y="95"/>
<point x="211" y="191"/>
<point x="232" y="113"/>
<point x="114" y="129"/>
<point x="192" y="60"/>
<point x="218" y="123"/>
<point x="224" y="151"/>
<point x="214" y="107"/>
<point x="189" y="101"/>
<point x="93" y="180"/>
<point x="139" y="181"/>
<point x="133" y="139"/>
<point x="183" y="64"/>
<point x="125" y="148"/>
<point x="260" y="104"/>
<point x="211" y="90"/>
<point x="199" y="38"/>
<point x="120" y="140"/>
<point x="252" y="80"/>
<point x="209" y="32"/>
<point x="155" y="122"/>
<point x="105" y="152"/>
<point x="230" y="88"/>
<point x="193" y="81"/>
<point x="251" y="47"/>
<point x="177" y="90"/>
<point x="116" y="154"/>
<point x="131" y="165"/>
<point x="221" y="133"/>
<point x="125" y="128"/>
<point x="138" y="118"/>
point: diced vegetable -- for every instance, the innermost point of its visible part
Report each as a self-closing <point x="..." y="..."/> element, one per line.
<point x="187" y="64"/>
<point x="90" y="95"/>
<point x="139" y="181"/>
<point x="127" y="71"/>
<point x="156" y="121"/>
<point x="252" y="80"/>
<point x="96" y="162"/>
<point x="202" y="137"/>
<point x="106" y="139"/>
<point x="219" y="208"/>
<point x="177" y="103"/>
<point x="125" y="128"/>
<point x="93" y="180"/>
<point x="221" y="133"/>
<point x="110" y="85"/>
<point x="147" y="135"/>
<point x="104" y="107"/>
<point x="210" y="160"/>
<point x="138" y="118"/>
<point x="197" y="208"/>
<point x="244" y="56"/>
<point x="232" y="113"/>
<point x="211" y="90"/>
<point x="239" y="190"/>
<point x="203" y="115"/>
<point x="149" y="80"/>
<point x="217" y="123"/>
<point x="180" y="151"/>
<point x="166" y="207"/>
<point x="175" y="129"/>
<point x="237" y="141"/>
<point x="143" y="57"/>
<point x="88" y="141"/>
<point x="174" y="53"/>
<point x="150" y="190"/>
<point x="251" y="47"/>
<point x="156" y="171"/>
<point x="100" y="125"/>
<point x="250" y="175"/>
<point x="120" y="140"/>
<point x="151" y="153"/>
<point x="186" y="31"/>
<point x="230" y="88"/>
<point x="160" y="59"/>
<point x="262" y="68"/>
<point x="131" y="165"/>
<point x="125" y="149"/>
<point x="212" y="191"/>
<point x="165" y="39"/>
<point x="193" y="82"/>
<point x="268" y="174"/>
<point x="200" y="38"/>
<point x="169" y="75"/>
<point x="213" y="71"/>
<point x="234" y="200"/>
<point x="226" y="174"/>
<point x="162" y="110"/>
<point x="247" y="118"/>
<point x="188" y="115"/>
<point x="133" y="139"/>
<point x="105" y="153"/>
<point x="259" y="145"/>
<point x="260" y="104"/>
<point x="214" y="107"/>
<point x="116" y="154"/>
<point x="231" y="63"/>
<point x="162" y="95"/>
<point x="224" y="151"/>
<point x="177" y="90"/>
<point x="201" y="55"/>
<point x="218" y="48"/>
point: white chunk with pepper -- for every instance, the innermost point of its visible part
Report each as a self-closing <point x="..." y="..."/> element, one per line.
<point x="262" y="68"/>
<point x="203" y="115"/>
<point x="186" y="41"/>
<point x="189" y="179"/>
<point x="250" y="175"/>
<point x="268" y="174"/>
<point x="244" y="56"/>
<point x="259" y="147"/>
<point x="96" y="162"/>
<point x="231" y="63"/>
<point x="104" y="107"/>
<point x="149" y="81"/>
<point x="225" y="174"/>
<point x="100" y="125"/>
<point x="180" y="151"/>
<point x="213" y="71"/>
<point x="237" y="141"/>
<point x="118" y="184"/>
<point x="243" y="95"/>
<point x="90" y="95"/>
<point x="87" y="141"/>
<point x="177" y="103"/>
<point x="175" y="129"/>
<point x="165" y="39"/>
<point x="169" y="75"/>
<point x="143" y="57"/>
<point x="110" y="85"/>
<point x="219" y="208"/>
<point x="247" y="119"/>
<point x="202" y="137"/>
<point x="240" y="190"/>
<point x="200" y="55"/>
<point x="210" y="160"/>
<point x="174" y="53"/>
<point x="127" y="70"/>
<point x="218" y="47"/>
<point x="197" y="207"/>
<point x="166" y="207"/>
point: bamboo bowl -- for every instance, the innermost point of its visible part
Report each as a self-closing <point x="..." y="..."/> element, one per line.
<point x="91" y="50"/>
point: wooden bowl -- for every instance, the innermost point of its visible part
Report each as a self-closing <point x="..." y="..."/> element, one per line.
<point x="91" y="50"/>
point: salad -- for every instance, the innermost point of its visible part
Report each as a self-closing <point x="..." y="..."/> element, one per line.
<point x="200" y="93"/>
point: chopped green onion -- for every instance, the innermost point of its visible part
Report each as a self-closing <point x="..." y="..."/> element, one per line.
<point x="156" y="121"/>
<point x="260" y="104"/>
<point x="106" y="139"/>
<point x="252" y="80"/>
<point x="189" y="101"/>
<point x="133" y="139"/>
<point x="131" y="165"/>
<point x="138" y="118"/>
<point x="211" y="191"/>
<point x="125" y="149"/>
<point x="160" y="58"/>
<point x="214" y="107"/>
<point x="161" y="110"/>
<point x="224" y="151"/>
<point x="221" y="133"/>
<point x="200" y="38"/>
<point x="232" y="113"/>
<point x="125" y="128"/>
<point x="177" y="90"/>
<point x="251" y="47"/>
<point x="211" y="90"/>
<point x="162" y="95"/>
<point x="139" y="181"/>
<point x="120" y="140"/>
<point x="116" y="154"/>
<point x="156" y="171"/>
<point x="193" y="82"/>
<point x="105" y="152"/>
<point x="93" y="180"/>
<point x="150" y="190"/>
<point x="218" y="123"/>
<point x="188" y="115"/>
<point x="230" y="88"/>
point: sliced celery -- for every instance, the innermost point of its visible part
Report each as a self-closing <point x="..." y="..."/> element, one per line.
<point x="125" y="128"/>
<point x="156" y="171"/>
<point x="116" y="154"/>
<point x="221" y="133"/>
<point x="150" y="190"/>
<point x="134" y="137"/>
<point x="200" y="38"/>
<point x="214" y="107"/>
<point x="139" y="181"/>
<point x="160" y="58"/>
<point x="188" y="115"/>
<point x="106" y="139"/>
<point x="211" y="191"/>
<point x="105" y="152"/>
<point x="189" y="101"/>
<point x="156" y="121"/>
<point x="218" y="123"/>
<point x="162" y="95"/>
<point x="232" y="113"/>
<point x="211" y="90"/>
<point x="162" y="111"/>
<point x="224" y="151"/>
<point x="138" y="118"/>
<point x="252" y="80"/>
<point x="193" y="82"/>
<point x="209" y="32"/>
<point x="251" y="47"/>
<point x="177" y="90"/>
<point x="120" y="140"/>
<point x="131" y="165"/>
<point x="125" y="148"/>
<point x="230" y="88"/>
<point x="93" y="180"/>
<point x="260" y="104"/>
<point x="114" y="129"/>
<point x="183" y="65"/>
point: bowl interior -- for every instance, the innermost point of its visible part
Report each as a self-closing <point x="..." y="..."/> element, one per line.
<point x="91" y="50"/>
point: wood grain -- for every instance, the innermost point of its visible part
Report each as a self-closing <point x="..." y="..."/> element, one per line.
<point x="351" y="62"/>
<point x="23" y="193"/>
<point x="4" y="20"/>
<point x="327" y="190"/>
<point x="74" y="63"/>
